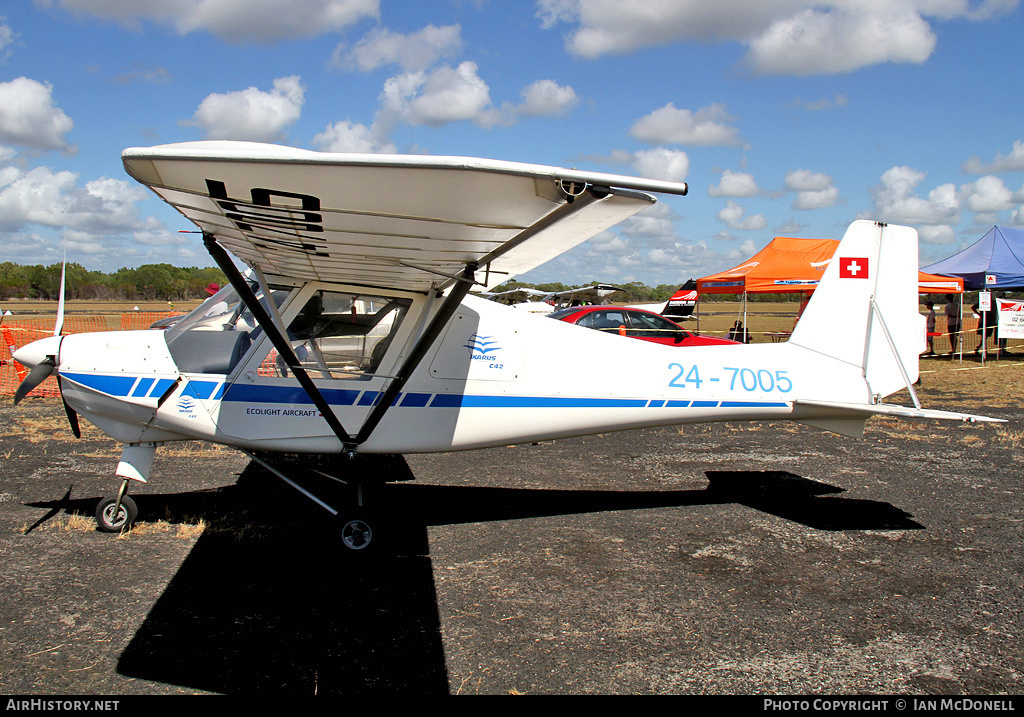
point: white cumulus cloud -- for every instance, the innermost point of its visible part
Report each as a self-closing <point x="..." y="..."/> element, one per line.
<point x="547" y="97"/>
<point x="1012" y="162"/>
<point x="989" y="194"/>
<point x="660" y="163"/>
<point x="814" y="190"/>
<point x="41" y="196"/>
<point x="815" y="42"/>
<point x="28" y="117"/>
<point x="895" y="200"/>
<point x="351" y="137"/>
<point x="445" y="94"/>
<point x="735" y="184"/>
<point x="232" y="20"/>
<point x="782" y="36"/>
<point x="251" y="114"/>
<point x="733" y="217"/>
<point x="669" y="125"/>
<point x="412" y="52"/>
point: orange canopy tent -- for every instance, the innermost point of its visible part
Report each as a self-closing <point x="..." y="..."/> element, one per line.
<point x="789" y="265"/>
<point x="936" y="284"/>
<point x="786" y="265"/>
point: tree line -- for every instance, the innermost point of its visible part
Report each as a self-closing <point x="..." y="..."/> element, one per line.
<point x="149" y="282"/>
<point x="636" y="292"/>
<point x="165" y="282"/>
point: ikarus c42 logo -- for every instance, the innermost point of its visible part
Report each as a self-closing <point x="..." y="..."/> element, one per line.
<point x="483" y="348"/>
<point x="187" y="406"/>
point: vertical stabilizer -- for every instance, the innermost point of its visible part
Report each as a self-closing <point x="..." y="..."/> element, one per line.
<point x="865" y="310"/>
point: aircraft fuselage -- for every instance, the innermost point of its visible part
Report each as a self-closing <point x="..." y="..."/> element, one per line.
<point x="496" y="376"/>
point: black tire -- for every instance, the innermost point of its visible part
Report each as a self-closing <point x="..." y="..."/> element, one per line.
<point x="125" y="518"/>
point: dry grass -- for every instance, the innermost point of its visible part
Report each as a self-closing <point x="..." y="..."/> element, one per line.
<point x="996" y="383"/>
<point x="75" y="523"/>
<point x="1010" y="436"/>
<point x="45" y="428"/>
<point x="54" y="426"/>
<point x="194" y="449"/>
<point x="188" y="529"/>
<point x="716" y="318"/>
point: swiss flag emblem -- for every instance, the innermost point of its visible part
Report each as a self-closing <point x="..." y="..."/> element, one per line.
<point x="853" y="267"/>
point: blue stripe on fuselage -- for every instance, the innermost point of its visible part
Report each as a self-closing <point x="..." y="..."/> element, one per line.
<point x="125" y="386"/>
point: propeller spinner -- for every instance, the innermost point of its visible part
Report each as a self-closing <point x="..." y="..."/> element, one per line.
<point x="42" y="357"/>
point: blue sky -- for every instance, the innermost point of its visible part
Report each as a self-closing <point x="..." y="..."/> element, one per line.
<point x="786" y="117"/>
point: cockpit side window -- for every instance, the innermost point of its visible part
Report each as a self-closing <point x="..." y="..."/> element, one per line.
<point x="341" y="335"/>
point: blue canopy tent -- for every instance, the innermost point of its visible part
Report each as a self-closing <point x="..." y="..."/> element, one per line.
<point x="996" y="261"/>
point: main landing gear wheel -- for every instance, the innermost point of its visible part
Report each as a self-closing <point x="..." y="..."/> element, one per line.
<point x="109" y="522"/>
<point x="357" y="534"/>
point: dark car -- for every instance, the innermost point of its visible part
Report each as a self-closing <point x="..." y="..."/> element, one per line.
<point x="635" y="323"/>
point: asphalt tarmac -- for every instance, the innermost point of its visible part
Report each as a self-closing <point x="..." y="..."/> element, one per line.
<point x="767" y="559"/>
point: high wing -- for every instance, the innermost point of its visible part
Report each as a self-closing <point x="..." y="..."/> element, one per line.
<point x="386" y="221"/>
<point x="584" y="293"/>
<point x="515" y="296"/>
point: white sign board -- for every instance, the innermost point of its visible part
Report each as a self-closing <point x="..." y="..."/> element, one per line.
<point x="1011" y="319"/>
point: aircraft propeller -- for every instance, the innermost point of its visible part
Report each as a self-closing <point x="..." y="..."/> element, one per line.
<point x="44" y="361"/>
<point x="39" y="373"/>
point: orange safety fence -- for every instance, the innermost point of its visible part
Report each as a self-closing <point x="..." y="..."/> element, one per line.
<point x="967" y="340"/>
<point x="268" y="367"/>
<point x="17" y="332"/>
<point x="138" y="320"/>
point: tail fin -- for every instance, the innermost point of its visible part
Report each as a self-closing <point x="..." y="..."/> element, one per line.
<point x="865" y="309"/>
<point x="682" y="303"/>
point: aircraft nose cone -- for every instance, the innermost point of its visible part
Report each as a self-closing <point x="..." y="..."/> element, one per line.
<point x="31" y="354"/>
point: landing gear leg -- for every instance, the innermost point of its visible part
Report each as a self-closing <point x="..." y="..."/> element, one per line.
<point x="115" y="514"/>
<point x="357" y="527"/>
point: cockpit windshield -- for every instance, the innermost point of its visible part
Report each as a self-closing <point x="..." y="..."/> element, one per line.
<point x="334" y="335"/>
<point x="214" y="336"/>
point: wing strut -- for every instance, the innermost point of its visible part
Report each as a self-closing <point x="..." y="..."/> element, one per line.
<point x="281" y="343"/>
<point x="463" y="284"/>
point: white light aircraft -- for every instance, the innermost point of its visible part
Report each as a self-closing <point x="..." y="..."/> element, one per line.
<point x="544" y="302"/>
<point x="353" y="332"/>
<point x="597" y="293"/>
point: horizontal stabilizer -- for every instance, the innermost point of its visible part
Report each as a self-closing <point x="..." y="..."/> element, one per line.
<point x="889" y="409"/>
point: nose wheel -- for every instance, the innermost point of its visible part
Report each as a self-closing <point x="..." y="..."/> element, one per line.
<point x="116" y="514"/>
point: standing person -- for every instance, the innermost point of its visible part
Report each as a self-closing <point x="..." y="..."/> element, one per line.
<point x="976" y="314"/>
<point x="953" y="322"/>
<point x="930" y="327"/>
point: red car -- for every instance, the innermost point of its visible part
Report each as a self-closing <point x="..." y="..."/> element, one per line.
<point x="635" y="323"/>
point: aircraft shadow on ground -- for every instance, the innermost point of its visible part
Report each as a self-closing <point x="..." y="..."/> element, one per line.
<point x="268" y="601"/>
